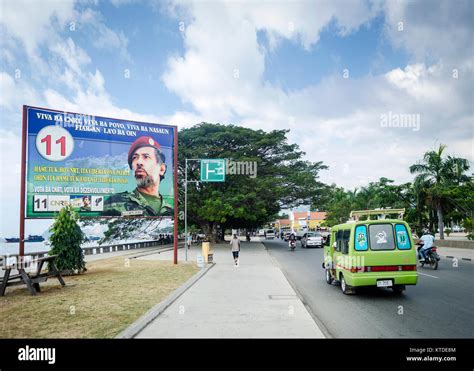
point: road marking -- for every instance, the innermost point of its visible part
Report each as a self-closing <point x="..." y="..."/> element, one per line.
<point x="429" y="275"/>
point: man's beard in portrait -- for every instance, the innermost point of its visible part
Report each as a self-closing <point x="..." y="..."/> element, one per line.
<point x="145" y="182"/>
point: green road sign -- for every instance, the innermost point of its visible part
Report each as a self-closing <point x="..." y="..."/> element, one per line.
<point x="213" y="170"/>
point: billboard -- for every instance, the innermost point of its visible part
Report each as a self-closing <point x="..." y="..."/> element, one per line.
<point x="101" y="166"/>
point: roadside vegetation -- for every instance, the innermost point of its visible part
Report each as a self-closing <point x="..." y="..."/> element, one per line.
<point x="441" y="193"/>
<point x="99" y="303"/>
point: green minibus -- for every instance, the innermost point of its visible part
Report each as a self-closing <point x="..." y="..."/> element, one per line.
<point x="377" y="253"/>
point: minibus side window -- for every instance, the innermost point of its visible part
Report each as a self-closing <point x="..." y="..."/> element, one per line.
<point x="338" y="240"/>
<point x="381" y="237"/>
<point x="360" y="238"/>
<point x="403" y="241"/>
<point x="346" y="235"/>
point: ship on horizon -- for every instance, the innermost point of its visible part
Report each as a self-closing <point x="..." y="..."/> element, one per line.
<point x="31" y="238"/>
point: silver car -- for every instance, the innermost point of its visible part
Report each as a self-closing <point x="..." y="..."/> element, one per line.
<point x="312" y="239"/>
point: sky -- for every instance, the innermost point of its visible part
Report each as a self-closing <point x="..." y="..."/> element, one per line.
<point x="339" y="74"/>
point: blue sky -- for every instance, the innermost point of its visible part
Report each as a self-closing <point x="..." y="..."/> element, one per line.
<point x="267" y="65"/>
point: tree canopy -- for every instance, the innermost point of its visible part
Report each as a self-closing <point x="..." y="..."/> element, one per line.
<point x="283" y="179"/>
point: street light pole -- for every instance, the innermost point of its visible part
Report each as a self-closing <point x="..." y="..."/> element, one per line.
<point x="186" y="203"/>
<point x="186" y="207"/>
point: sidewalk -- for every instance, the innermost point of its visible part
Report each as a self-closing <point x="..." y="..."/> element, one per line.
<point x="455" y="252"/>
<point x="253" y="300"/>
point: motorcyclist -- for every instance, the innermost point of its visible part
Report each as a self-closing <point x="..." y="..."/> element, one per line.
<point x="248" y="236"/>
<point x="426" y="242"/>
<point x="292" y="239"/>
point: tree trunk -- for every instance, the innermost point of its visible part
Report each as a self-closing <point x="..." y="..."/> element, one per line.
<point x="440" y="221"/>
<point x="222" y="233"/>
<point x="214" y="234"/>
<point x="210" y="230"/>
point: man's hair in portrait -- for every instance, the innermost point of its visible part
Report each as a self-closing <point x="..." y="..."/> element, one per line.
<point x="160" y="158"/>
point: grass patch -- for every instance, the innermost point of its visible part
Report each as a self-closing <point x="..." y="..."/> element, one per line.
<point x="97" y="304"/>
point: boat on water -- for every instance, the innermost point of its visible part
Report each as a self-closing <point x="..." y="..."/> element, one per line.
<point x="92" y="238"/>
<point x="31" y="238"/>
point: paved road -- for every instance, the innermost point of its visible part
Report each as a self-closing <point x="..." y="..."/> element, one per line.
<point x="439" y="306"/>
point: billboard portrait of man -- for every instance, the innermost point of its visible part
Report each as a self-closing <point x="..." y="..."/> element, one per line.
<point x="86" y="203"/>
<point x="147" y="162"/>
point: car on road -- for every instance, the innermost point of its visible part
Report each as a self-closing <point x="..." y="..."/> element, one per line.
<point x="312" y="239"/>
<point x="270" y="234"/>
<point x="378" y="253"/>
<point x="261" y="233"/>
<point x="287" y="236"/>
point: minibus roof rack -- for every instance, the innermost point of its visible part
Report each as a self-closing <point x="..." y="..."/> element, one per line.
<point x="381" y="213"/>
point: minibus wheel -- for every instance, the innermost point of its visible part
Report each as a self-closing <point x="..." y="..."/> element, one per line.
<point x="344" y="287"/>
<point x="328" y="277"/>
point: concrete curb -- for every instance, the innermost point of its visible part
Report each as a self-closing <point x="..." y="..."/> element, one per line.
<point x="455" y="244"/>
<point x="454" y="257"/>
<point x="315" y="318"/>
<point x="157" y="251"/>
<point x="135" y="328"/>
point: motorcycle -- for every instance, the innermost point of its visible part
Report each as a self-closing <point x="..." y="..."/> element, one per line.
<point x="432" y="257"/>
<point x="292" y="244"/>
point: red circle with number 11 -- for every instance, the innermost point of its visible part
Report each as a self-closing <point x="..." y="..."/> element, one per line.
<point x="54" y="143"/>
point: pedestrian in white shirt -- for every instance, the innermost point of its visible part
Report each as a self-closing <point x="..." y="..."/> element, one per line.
<point x="235" y="247"/>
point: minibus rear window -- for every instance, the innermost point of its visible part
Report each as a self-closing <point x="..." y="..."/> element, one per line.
<point x="381" y="237"/>
<point x="403" y="241"/>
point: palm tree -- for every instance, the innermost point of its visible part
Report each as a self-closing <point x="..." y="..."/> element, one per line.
<point x="435" y="174"/>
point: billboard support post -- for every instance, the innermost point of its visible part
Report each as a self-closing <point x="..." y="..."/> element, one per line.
<point x="175" y="165"/>
<point x="22" y="185"/>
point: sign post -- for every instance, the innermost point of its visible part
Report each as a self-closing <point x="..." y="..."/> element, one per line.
<point x="212" y="170"/>
<point x="186" y="203"/>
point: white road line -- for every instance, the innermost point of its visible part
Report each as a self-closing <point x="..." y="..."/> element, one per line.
<point x="429" y="275"/>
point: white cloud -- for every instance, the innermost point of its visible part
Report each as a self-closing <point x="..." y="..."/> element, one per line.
<point x="74" y="57"/>
<point x="14" y="93"/>
<point x="338" y="120"/>
<point x="32" y="22"/>
<point x="103" y="37"/>
<point x="433" y="30"/>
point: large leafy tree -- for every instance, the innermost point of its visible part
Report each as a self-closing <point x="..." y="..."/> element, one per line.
<point x="283" y="178"/>
<point x="380" y="194"/>
<point x="437" y="177"/>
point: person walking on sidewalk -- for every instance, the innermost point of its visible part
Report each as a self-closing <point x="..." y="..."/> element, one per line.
<point x="235" y="247"/>
<point x="189" y="240"/>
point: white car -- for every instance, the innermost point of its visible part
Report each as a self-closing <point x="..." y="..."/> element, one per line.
<point x="270" y="234"/>
<point x="312" y="239"/>
<point x="261" y="233"/>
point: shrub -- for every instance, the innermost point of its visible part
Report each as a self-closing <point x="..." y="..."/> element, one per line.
<point x="66" y="242"/>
